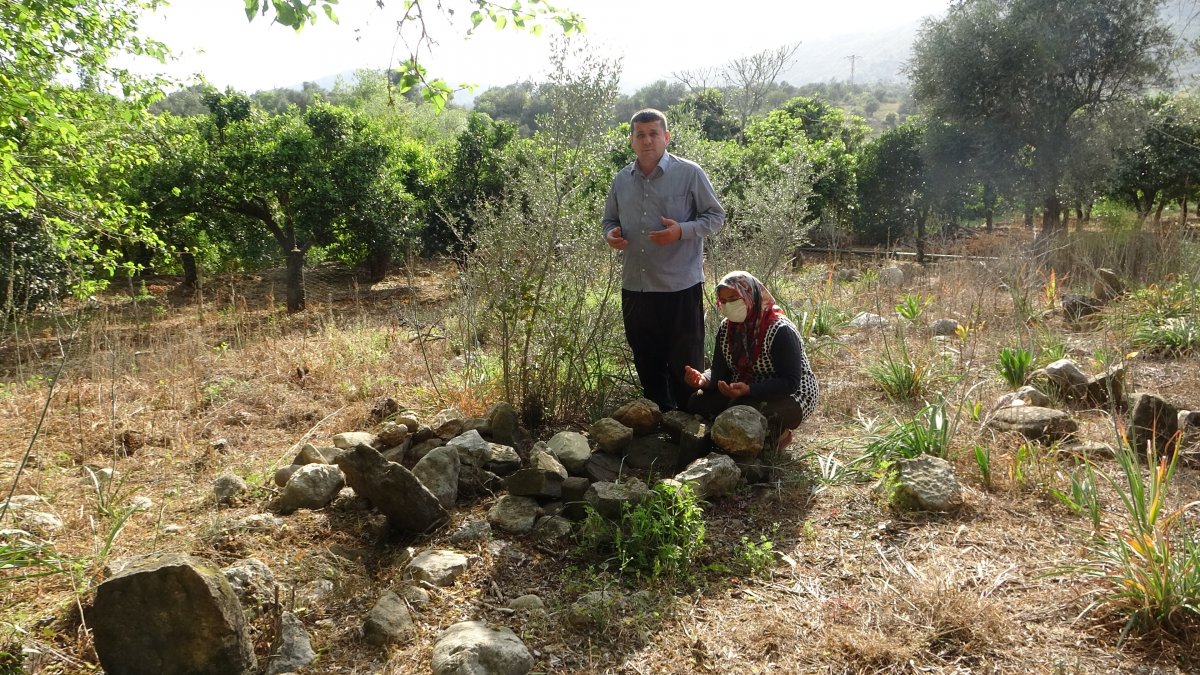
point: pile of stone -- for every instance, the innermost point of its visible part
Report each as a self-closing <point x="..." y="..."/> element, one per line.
<point x="416" y="474"/>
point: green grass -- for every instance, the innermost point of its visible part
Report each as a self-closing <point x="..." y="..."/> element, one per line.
<point x="928" y="433"/>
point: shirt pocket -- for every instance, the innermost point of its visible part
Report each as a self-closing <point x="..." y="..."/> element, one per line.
<point x="679" y="207"/>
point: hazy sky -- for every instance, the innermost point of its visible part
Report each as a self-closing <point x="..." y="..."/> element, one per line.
<point x="652" y="37"/>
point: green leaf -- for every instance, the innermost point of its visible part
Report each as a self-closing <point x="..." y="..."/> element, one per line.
<point x="252" y="7"/>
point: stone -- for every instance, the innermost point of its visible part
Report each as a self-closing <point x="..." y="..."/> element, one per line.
<point x="438" y="471"/>
<point x="1034" y="422"/>
<point x="868" y="320"/>
<point x="573" y="490"/>
<point x="571" y="448"/>
<point x="542" y="459"/>
<point x="1085" y="450"/>
<point x="1108" y="388"/>
<point x="927" y="483"/>
<point x="603" y="467"/>
<point x="311" y="454"/>
<point x="502" y="459"/>
<point x="472" y="449"/>
<point x="1153" y="422"/>
<point x="944" y="327"/>
<point x="349" y="439"/>
<point x="610" y="435"/>
<point x="610" y="499"/>
<point x="448" y="423"/>
<point x="688" y="432"/>
<point x="527" y="603"/>
<point x="313" y="486"/>
<point x="740" y="431"/>
<point x="254" y="585"/>
<point x="389" y="621"/>
<point x="313" y="593"/>
<point x="552" y="530"/>
<point x="349" y="501"/>
<point x="642" y="415"/>
<point x="713" y="476"/>
<point x="534" y="483"/>
<point x="98" y="478"/>
<point x="170" y="613"/>
<point x="393" y="433"/>
<point x="438" y="567"/>
<point x="284" y="473"/>
<point x="1108" y="286"/>
<point x="478" y="648"/>
<point x="653" y="454"/>
<point x="293" y="648"/>
<point x="1076" y="306"/>
<point x="502" y="423"/>
<point x="472" y="532"/>
<point x="846" y="275"/>
<point x="891" y="277"/>
<point x="393" y="489"/>
<point x="417" y="451"/>
<point x="514" y="515"/>
<point x="41" y="524"/>
<point x="228" y="487"/>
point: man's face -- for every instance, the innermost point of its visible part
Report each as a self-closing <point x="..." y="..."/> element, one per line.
<point x="649" y="141"/>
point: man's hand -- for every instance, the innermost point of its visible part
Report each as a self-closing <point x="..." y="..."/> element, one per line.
<point x="733" y="389"/>
<point x="694" y="378"/>
<point x="671" y="232"/>
<point x="615" y="239"/>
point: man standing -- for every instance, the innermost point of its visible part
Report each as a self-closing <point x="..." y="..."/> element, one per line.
<point x="658" y="212"/>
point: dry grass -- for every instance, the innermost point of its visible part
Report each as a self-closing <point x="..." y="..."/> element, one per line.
<point x="231" y="384"/>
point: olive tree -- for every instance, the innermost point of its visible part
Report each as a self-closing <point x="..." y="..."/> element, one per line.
<point x="1022" y="70"/>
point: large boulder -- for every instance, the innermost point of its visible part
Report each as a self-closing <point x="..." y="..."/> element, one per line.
<point x="170" y="613"/>
<point x="393" y="489"/>
<point x="312" y="486"/>
<point x="571" y="449"/>
<point x="610" y="499"/>
<point x="502" y="423"/>
<point x="438" y="566"/>
<point x="740" y="430"/>
<point x="293" y="649"/>
<point x="610" y="435"/>
<point x="389" y="621"/>
<point x="653" y="454"/>
<point x="513" y="514"/>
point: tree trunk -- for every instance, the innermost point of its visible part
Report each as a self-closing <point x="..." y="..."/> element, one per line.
<point x="1158" y="212"/>
<point x="295" y="281"/>
<point x="1028" y="214"/>
<point x="1065" y="219"/>
<point x="921" y="217"/>
<point x="989" y="206"/>
<point x="1087" y="212"/>
<point x="1051" y="208"/>
<point x="191" y="272"/>
<point x="378" y="263"/>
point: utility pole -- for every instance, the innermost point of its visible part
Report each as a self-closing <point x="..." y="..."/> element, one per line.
<point x="852" y="58"/>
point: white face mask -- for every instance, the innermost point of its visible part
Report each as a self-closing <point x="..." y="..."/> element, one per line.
<point x="734" y="310"/>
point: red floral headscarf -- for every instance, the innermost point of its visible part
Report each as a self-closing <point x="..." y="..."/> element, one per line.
<point x="746" y="338"/>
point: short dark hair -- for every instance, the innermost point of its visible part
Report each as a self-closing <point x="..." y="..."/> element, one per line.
<point x="648" y="115"/>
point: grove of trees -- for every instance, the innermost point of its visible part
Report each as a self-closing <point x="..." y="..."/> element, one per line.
<point x="1017" y="106"/>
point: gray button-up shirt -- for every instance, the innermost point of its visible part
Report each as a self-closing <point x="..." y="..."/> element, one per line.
<point x="679" y="190"/>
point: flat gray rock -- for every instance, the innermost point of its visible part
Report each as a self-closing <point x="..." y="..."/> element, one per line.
<point x="478" y="648"/>
<point x="1034" y="422"/>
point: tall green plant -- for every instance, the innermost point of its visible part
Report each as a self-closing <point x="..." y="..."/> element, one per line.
<point x="1146" y="558"/>
<point x="659" y="537"/>
<point x="1014" y="365"/>
<point x="547" y="287"/>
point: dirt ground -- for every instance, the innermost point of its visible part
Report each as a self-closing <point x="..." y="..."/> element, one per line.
<point x="173" y="392"/>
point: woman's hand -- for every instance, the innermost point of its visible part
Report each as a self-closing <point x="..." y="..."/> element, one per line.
<point x="733" y="389"/>
<point x="694" y="378"/>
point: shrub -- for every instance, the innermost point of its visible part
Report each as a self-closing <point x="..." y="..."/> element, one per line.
<point x="928" y="433"/>
<point x="902" y="376"/>
<point x="657" y="538"/>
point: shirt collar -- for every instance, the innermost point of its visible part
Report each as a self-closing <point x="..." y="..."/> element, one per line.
<point x="664" y="163"/>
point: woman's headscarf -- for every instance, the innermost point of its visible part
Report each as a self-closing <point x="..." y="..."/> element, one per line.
<point x="746" y="338"/>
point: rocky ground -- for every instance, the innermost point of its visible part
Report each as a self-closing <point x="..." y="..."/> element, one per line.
<point x="186" y="432"/>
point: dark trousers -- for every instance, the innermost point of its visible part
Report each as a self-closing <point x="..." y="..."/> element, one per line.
<point x="781" y="413"/>
<point x="665" y="332"/>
